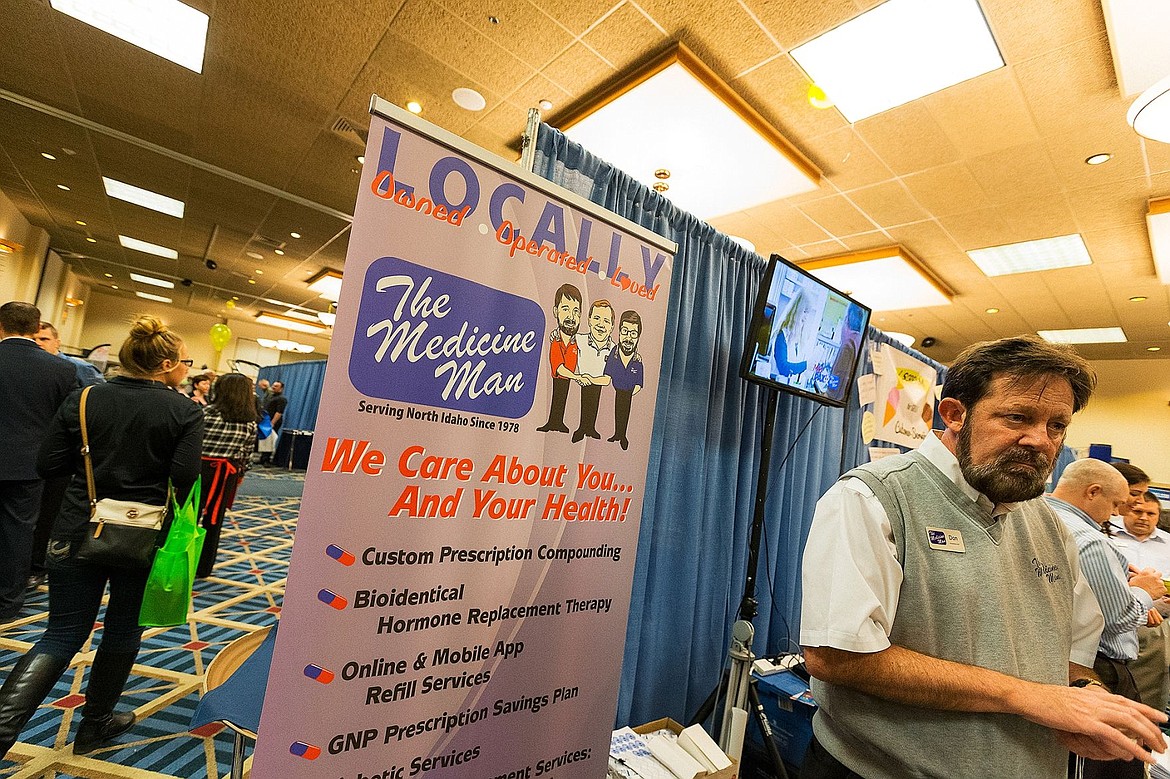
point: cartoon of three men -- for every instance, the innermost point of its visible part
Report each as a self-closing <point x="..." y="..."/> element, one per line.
<point x="592" y="360"/>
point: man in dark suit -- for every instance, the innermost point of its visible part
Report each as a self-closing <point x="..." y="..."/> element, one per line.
<point x="32" y="385"/>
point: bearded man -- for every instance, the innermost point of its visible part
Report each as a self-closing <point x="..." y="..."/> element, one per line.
<point x="945" y="621"/>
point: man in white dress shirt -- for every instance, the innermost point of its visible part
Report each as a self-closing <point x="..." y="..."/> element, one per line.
<point x="924" y="579"/>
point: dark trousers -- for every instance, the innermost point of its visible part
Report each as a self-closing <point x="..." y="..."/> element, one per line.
<point x="20" y="501"/>
<point x="50" y="504"/>
<point x="1115" y="675"/>
<point x="75" y="596"/>
<point x="621" y="413"/>
<point x="221" y="477"/>
<point x="590" y="400"/>
<point x="819" y="764"/>
<point x="556" y="411"/>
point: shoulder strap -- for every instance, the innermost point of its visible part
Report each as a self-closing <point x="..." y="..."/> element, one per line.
<point x="85" y="455"/>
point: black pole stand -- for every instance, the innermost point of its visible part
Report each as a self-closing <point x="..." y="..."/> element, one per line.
<point x="736" y="681"/>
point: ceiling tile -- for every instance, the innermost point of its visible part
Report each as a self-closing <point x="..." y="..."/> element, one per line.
<point x="787" y="222"/>
<point x="778" y="89"/>
<point x="722" y="35"/>
<point x="949" y="189"/>
<point x="576" y="15"/>
<point x="887" y="203"/>
<point x="36" y="67"/>
<point x="1036" y="218"/>
<point x="961" y="112"/>
<point x="625" y="38"/>
<point x="578" y="71"/>
<point x="520" y="23"/>
<point x="1016" y="173"/>
<point x="1024" y="30"/>
<point x="794" y="22"/>
<point x="837" y="216"/>
<point x="846" y="160"/>
<point x="908" y="139"/>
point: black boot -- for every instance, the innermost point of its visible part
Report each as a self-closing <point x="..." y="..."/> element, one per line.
<point x="27" y="684"/>
<point x="99" y="723"/>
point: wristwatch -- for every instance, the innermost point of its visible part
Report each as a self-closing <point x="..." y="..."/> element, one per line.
<point x="1085" y="682"/>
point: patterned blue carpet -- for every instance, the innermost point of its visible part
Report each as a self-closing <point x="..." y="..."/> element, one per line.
<point x="243" y="594"/>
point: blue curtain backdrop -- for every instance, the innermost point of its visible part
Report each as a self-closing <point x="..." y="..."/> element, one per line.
<point x="302" y="387"/>
<point x="704" y="457"/>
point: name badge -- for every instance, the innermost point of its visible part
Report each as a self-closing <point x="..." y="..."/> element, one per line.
<point x="945" y="540"/>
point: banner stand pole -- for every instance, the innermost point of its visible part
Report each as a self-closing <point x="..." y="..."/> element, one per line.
<point x="528" y="141"/>
<point x="737" y="680"/>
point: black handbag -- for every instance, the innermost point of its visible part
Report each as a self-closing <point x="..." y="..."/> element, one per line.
<point x="121" y="533"/>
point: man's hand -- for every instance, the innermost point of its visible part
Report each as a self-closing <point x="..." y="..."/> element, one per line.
<point x="1153" y="619"/>
<point x="1094" y="723"/>
<point x="1149" y="580"/>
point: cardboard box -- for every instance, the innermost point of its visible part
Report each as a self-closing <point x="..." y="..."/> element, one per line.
<point x="666" y="723"/>
<point x="790" y="711"/>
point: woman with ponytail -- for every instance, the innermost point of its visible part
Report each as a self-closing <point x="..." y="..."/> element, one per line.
<point x="142" y="436"/>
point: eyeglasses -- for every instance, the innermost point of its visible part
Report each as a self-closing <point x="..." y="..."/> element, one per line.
<point x="188" y="363"/>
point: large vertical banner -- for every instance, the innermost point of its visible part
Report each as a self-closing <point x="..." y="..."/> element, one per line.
<point x="460" y="583"/>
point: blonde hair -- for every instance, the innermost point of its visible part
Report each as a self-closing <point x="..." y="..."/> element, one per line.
<point x="149" y="344"/>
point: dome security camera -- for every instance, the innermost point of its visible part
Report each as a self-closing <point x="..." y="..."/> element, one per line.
<point x="186" y="282"/>
<point x="211" y="264"/>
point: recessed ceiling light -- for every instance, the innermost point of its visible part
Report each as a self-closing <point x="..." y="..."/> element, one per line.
<point x="148" y="248"/>
<point x="108" y="275"/>
<point x="91" y="240"/>
<point x="1137" y="298"/>
<point x="327" y="318"/>
<point x="993" y="310"/>
<point x="1153" y="348"/>
<point x="361" y="158"/>
<point x="114" y="286"/>
<point x="81" y="223"/>
<point x="1098" y="159"/>
<point x="295" y="235"/>
<point x="152" y="280"/>
<point x="167" y="28"/>
<point x="278" y="252"/>
<point x="1065" y="251"/>
<point x="887" y="279"/>
<point x="745" y="161"/>
<point x="259" y="272"/>
<point x="251" y="281"/>
<point x="899" y="51"/>
<point x="301" y="315"/>
<point x="1084" y="335"/>
<point x="47" y="156"/>
<point x="255" y="255"/>
<point x="148" y="296"/>
<point x="143" y="197"/>
<point x="545" y="105"/>
<point x="414" y="106"/>
<point x="468" y="99"/>
<point x="63" y="187"/>
<point x="235" y="297"/>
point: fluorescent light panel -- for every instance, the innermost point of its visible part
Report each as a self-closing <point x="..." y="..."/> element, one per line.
<point x="1149" y="116"/>
<point x="1158" y="224"/>
<point x="883" y="279"/>
<point x="1084" y="335"/>
<point x="1065" y="251"/>
<point x="152" y="280"/>
<point x="168" y="28"/>
<point x="288" y="323"/>
<point x="721" y="158"/>
<point x="327" y="284"/>
<point x="327" y="318"/>
<point x="1137" y="39"/>
<point x="143" y="197"/>
<point x="899" y="51"/>
<point x="148" y="296"/>
<point x="148" y="248"/>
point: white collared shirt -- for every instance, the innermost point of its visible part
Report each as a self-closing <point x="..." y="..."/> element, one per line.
<point x="852" y="578"/>
<point x="1153" y="552"/>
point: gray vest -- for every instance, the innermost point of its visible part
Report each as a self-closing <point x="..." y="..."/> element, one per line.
<point x="1004" y="604"/>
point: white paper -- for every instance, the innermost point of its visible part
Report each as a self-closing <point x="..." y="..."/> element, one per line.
<point x="695" y="739"/>
<point x="739" y="719"/>
<point x="867" y="389"/>
<point x="878" y="452"/>
<point x="675" y="758"/>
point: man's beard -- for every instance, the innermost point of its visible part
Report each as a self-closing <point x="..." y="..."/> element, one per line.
<point x="627" y="350"/>
<point x="569" y="328"/>
<point x="1003" y="480"/>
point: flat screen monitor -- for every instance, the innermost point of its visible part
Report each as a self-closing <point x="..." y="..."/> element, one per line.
<point x="805" y="337"/>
